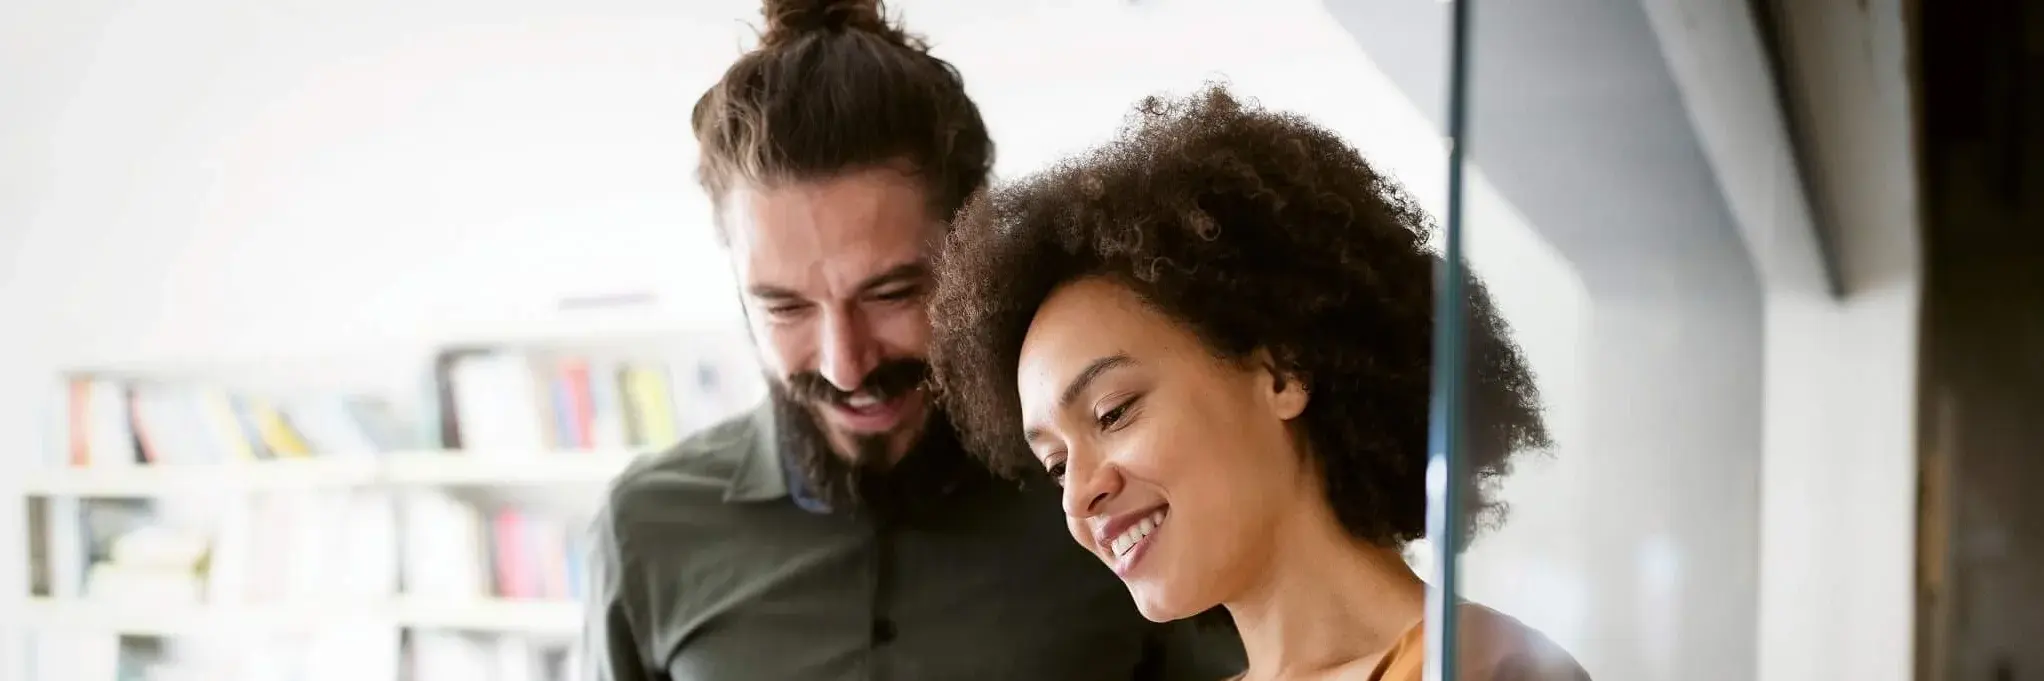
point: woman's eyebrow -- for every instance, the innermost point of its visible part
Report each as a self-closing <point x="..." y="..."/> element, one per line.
<point x="1093" y="371"/>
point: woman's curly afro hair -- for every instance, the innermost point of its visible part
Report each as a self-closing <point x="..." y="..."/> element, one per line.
<point x="1258" y="230"/>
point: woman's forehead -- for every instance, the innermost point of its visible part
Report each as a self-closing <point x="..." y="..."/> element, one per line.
<point x="1084" y="323"/>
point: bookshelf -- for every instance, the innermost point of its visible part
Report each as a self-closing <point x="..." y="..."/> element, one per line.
<point x="412" y="469"/>
<point x="445" y="506"/>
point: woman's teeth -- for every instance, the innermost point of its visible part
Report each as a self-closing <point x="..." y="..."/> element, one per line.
<point x="1135" y="533"/>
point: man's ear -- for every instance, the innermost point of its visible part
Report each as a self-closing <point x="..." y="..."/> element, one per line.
<point x="1286" y="394"/>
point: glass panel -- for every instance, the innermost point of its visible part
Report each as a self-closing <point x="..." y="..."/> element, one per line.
<point x="1616" y="494"/>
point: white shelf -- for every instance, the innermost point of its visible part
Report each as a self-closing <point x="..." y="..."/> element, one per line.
<point x="572" y="468"/>
<point x="156" y="480"/>
<point x="189" y="619"/>
<point x="413" y="469"/>
<point x="550" y="618"/>
<point x="545" y="618"/>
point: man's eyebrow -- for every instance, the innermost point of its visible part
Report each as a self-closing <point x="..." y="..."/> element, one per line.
<point x="905" y="272"/>
<point x="772" y="292"/>
<point x="912" y="271"/>
<point x="1078" y="386"/>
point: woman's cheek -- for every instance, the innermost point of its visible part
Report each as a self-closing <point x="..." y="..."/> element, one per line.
<point x="1077" y="528"/>
<point x="1161" y="447"/>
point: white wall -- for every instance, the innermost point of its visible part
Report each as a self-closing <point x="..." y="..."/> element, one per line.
<point x="241" y="176"/>
<point x="1845" y="486"/>
<point x="1839" y="473"/>
<point x="235" y="179"/>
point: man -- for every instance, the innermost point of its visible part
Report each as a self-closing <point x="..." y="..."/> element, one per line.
<point x="840" y="532"/>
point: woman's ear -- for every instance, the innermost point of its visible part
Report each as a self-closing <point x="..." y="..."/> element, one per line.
<point x="1287" y="389"/>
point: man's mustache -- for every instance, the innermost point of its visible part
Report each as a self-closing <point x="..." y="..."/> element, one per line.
<point x="891" y="379"/>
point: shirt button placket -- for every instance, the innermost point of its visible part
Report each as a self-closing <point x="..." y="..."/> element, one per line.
<point x="881" y="628"/>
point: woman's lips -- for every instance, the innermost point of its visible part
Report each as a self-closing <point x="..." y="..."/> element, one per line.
<point x="1127" y="547"/>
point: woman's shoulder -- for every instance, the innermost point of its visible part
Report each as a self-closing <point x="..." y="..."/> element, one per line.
<point x="1493" y="646"/>
<point x="1498" y="647"/>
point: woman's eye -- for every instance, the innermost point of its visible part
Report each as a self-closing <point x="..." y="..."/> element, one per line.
<point x="1115" y="415"/>
<point x="1057" y="472"/>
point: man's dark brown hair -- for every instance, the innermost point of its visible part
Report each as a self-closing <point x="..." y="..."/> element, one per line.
<point x="834" y="87"/>
<point x="1258" y="231"/>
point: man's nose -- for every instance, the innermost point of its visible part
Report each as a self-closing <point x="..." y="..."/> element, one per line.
<point x="849" y="352"/>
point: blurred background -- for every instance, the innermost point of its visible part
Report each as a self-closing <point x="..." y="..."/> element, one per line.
<point x="326" y="323"/>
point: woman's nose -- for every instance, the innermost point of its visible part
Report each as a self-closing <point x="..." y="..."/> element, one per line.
<point x="1088" y="488"/>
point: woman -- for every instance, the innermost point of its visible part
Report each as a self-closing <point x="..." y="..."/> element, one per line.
<point x="1215" y="333"/>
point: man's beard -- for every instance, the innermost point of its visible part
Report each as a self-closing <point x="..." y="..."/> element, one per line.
<point x="869" y="479"/>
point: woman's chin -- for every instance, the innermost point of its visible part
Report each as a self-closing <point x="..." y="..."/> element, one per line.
<point x="1159" y="607"/>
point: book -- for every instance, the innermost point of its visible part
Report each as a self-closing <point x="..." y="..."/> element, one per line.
<point x="517" y="403"/>
<point x="461" y="551"/>
<point x="102" y="422"/>
<point x="445" y="554"/>
<point x="301" y="546"/>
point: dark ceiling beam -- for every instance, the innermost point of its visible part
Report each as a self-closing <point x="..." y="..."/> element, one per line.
<point x="1775" y="39"/>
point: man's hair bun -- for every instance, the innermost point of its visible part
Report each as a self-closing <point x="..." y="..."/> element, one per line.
<point x="835" y="86"/>
<point x="789" y="20"/>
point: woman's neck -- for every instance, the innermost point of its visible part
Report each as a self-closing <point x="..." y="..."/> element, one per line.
<point x="1327" y="602"/>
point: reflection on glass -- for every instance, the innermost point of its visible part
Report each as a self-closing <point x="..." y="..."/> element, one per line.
<point x="1593" y="217"/>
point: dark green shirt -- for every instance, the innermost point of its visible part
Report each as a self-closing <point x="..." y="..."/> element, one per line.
<point x="706" y="569"/>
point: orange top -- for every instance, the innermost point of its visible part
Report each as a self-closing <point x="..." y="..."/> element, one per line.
<point x="1492" y="647"/>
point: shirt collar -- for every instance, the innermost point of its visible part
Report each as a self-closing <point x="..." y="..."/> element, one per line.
<point x="764" y="473"/>
<point x="759" y="474"/>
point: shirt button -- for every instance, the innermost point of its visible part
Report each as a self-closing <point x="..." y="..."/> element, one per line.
<point x="883" y="631"/>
